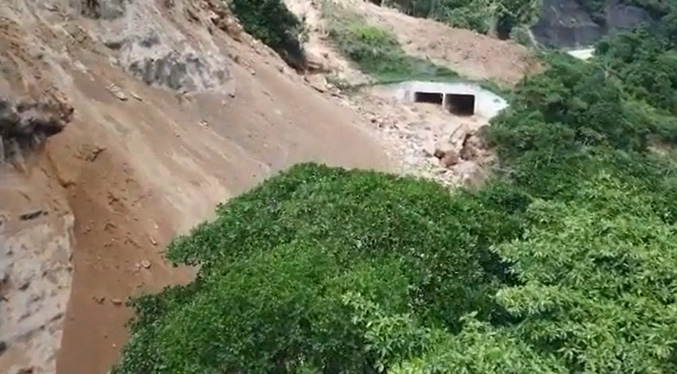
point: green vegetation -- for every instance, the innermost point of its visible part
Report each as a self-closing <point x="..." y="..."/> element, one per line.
<point x="376" y="51"/>
<point x="564" y="262"/>
<point x="272" y="23"/>
<point x="597" y="8"/>
<point x="479" y="15"/>
<point x="503" y="16"/>
<point x="647" y="65"/>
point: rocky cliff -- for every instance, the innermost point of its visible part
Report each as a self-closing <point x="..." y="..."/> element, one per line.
<point x="577" y="23"/>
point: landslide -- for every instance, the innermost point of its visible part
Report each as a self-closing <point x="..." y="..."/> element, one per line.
<point x="157" y="110"/>
<point x="351" y="43"/>
<point x="564" y="262"/>
<point x="471" y="55"/>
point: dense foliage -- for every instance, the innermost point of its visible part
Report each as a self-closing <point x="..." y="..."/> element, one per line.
<point x="565" y="262"/>
<point x="646" y="64"/>
<point x="276" y="26"/>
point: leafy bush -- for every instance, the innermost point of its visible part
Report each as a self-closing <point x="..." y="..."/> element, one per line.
<point x="646" y="65"/>
<point x="580" y="107"/>
<point x="376" y="51"/>
<point x="521" y="35"/>
<point x="272" y="302"/>
<point x="272" y="23"/>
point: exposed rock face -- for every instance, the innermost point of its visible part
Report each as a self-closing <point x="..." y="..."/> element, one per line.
<point x="157" y="51"/>
<point x="566" y="24"/>
<point x="36" y="245"/>
<point x="101" y="9"/>
<point x="26" y="124"/>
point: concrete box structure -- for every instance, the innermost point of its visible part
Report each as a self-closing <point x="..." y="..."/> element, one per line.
<point x="459" y="97"/>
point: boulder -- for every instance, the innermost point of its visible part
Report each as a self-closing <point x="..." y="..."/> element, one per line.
<point x="450" y="159"/>
<point x="316" y="63"/>
<point x="26" y="123"/>
<point x="318" y="82"/>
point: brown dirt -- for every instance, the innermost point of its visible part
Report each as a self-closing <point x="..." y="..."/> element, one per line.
<point x="470" y="54"/>
<point x="170" y="173"/>
<point x="272" y="122"/>
<point x="140" y="164"/>
<point x="135" y="173"/>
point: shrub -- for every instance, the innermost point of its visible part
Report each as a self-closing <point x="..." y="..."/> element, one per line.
<point x="272" y="23"/>
<point x="278" y="261"/>
<point x="521" y="35"/>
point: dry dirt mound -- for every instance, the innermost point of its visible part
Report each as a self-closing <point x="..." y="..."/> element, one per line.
<point x="172" y="114"/>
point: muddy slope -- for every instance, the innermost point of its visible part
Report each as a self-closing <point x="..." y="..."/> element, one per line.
<point x="174" y="110"/>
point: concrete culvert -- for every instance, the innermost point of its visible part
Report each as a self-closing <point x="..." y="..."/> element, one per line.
<point x="429" y="97"/>
<point x="460" y="104"/>
<point x="459" y="98"/>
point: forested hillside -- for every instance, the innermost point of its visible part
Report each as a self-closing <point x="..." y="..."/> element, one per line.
<point x="565" y="262"/>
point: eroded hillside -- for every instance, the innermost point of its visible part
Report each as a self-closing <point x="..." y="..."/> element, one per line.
<point x="171" y="115"/>
<point x="155" y="112"/>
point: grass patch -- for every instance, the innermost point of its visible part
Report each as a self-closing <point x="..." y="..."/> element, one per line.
<point x="376" y="51"/>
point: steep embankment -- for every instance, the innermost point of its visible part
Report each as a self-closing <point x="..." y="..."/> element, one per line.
<point x="564" y="262"/>
<point x="174" y="110"/>
<point x="470" y="54"/>
<point x="466" y="52"/>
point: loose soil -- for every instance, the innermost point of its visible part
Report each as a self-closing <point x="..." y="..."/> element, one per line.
<point x="140" y="164"/>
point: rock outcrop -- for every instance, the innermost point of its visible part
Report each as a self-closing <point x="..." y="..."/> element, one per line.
<point x="568" y="24"/>
<point x="144" y="41"/>
<point x="26" y="124"/>
<point x="36" y="239"/>
<point x="36" y="246"/>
